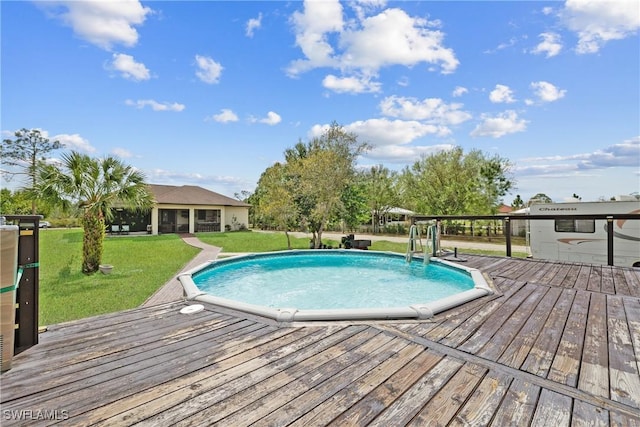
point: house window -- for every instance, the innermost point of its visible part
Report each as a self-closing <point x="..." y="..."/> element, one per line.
<point x="575" y="225"/>
<point x="208" y="215"/>
<point x="208" y="220"/>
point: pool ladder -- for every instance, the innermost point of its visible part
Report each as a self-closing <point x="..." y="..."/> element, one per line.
<point x="415" y="241"/>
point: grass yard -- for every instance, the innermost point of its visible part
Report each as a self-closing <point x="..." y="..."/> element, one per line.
<point x="256" y="242"/>
<point x="142" y="264"/>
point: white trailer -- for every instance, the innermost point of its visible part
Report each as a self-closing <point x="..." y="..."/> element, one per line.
<point x="585" y="240"/>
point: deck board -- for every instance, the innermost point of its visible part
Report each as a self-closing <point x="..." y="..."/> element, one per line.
<point x="540" y="356"/>
<point x="623" y="366"/>
<point x="594" y="374"/>
<point x="566" y="362"/>
<point x="557" y="344"/>
<point x="633" y="281"/>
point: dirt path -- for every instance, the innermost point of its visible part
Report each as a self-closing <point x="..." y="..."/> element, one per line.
<point x="172" y="290"/>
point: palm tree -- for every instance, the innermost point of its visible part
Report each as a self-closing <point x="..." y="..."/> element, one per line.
<point x="96" y="186"/>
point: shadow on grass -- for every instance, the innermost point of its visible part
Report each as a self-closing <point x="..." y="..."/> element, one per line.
<point x="65" y="272"/>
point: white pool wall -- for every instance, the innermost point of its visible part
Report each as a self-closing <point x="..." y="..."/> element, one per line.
<point x="413" y="311"/>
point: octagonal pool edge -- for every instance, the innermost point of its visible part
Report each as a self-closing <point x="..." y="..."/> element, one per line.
<point x="291" y="314"/>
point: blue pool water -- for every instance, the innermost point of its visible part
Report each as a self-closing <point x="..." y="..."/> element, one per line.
<point x="331" y="280"/>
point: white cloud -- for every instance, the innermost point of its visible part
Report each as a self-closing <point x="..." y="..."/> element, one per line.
<point x="271" y="119"/>
<point x="129" y="68"/>
<point x="625" y="154"/>
<point x="395" y="38"/>
<point x="351" y="84"/>
<point x="550" y="45"/>
<point x="312" y="27"/>
<point x="391" y="140"/>
<point x="546" y="92"/>
<point x="512" y="42"/>
<point x="597" y="22"/>
<point x="403" y="81"/>
<point x="500" y="125"/>
<point x="379" y="132"/>
<point x="225" y="116"/>
<point x="73" y="142"/>
<point x="209" y="71"/>
<point x="155" y="105"/>
<point x="364" y="7"/>
<point x="433" y="110"/>
<point x="365" y="44"/>
<point x="404" y="154"/>
<point x="123" y="153"/>
<point x="219" y="183"/>
<point x="253" y="24"/>
<point x="501" y="94"/>
<point x="102" y="23"/>
<point x="459" y="91"/>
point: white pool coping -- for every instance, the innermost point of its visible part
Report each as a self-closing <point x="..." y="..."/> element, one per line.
<point x="413" y="311"/>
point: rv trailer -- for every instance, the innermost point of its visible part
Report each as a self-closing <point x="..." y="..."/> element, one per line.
<point x="585" y="240"/>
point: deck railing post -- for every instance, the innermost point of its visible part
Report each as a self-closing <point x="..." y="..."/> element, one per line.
<point x="27" y="293"/>
<point x="507" y="233"/>
<point x="609" y="240"/>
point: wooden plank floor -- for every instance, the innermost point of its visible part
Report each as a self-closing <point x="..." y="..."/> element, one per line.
<point x="559" y="344"/>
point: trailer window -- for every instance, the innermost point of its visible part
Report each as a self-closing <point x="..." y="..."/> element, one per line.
<point x="575" y="225"/>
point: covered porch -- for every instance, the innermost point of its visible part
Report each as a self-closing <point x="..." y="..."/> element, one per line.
<point x="186" y="220"/>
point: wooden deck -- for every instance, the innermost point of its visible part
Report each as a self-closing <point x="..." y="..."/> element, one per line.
<point x="558" y="345"/>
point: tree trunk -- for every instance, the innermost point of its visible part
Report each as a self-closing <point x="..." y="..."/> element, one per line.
<point x="286" y="233"/>
<point x="92" y="241"/>
<point x="319" y="239"/>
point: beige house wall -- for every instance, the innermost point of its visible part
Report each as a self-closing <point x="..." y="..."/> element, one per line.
<point x="240" y="214"/>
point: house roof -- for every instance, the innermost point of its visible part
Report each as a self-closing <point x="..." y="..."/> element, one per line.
<point x="191" y="195"/>
<point x="399" y="211"/>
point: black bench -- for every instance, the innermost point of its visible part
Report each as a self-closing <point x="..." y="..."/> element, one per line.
<point x="350" y="242"/>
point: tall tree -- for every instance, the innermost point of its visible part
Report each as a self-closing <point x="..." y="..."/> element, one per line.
<point x="325" y="169"/>
<point x="539" y="198"/>
<point x="517" y="202"/>
<point x="276" y="202"/>
<point x="355" y="210"/>
<point x="95" y="185"/>
<point x="453" y="183"/>
<point x="380" y="192"/>
<point x="16" y="203"/>
<point x="25" y="152"/>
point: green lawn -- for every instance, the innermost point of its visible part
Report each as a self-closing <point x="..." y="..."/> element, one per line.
<point x="142" y="264"/>
<point x="256" y="242"/>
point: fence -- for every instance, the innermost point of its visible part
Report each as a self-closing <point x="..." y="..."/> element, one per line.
<point x="506" y="221"/>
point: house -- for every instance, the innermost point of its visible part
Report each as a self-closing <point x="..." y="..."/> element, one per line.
<point x="395" y="215"/>
<point x="186" y="209"/>
<point x="504" y="209"/>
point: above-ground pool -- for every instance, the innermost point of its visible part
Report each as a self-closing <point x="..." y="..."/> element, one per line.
<point x="333" y="285"/>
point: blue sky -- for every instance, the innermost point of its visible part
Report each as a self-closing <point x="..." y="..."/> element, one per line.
<point x="211" y="93"/>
